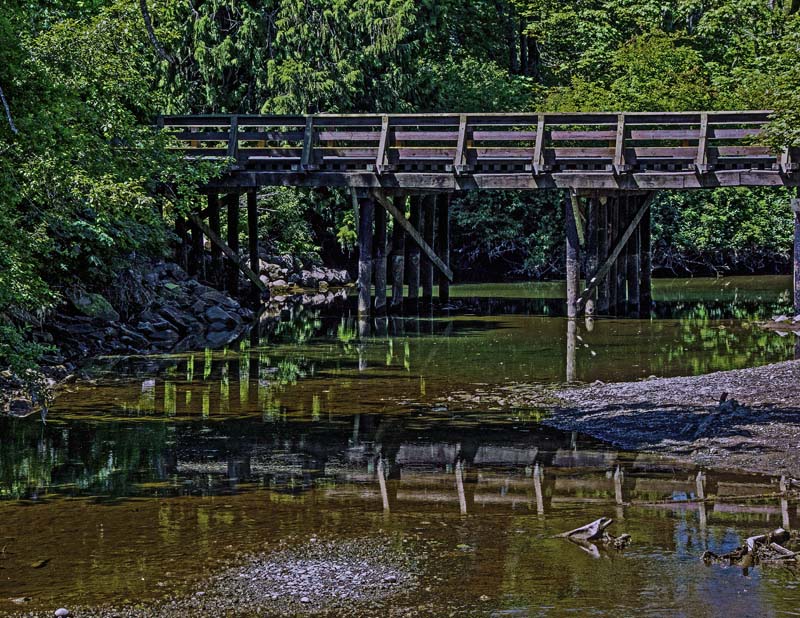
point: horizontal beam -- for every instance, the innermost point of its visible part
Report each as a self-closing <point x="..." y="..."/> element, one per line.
<point x="412" y="233"/>
<point x="421" y="181"/>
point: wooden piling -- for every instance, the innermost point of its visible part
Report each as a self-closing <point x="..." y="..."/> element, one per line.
<point x="196" y="252"/>
<point x="602" y="254"/>
<point x="379" y="260"/>
<point x="592" y="248"/>
<point x="443" y="243"/>
<point x="425" y="265"/>
<point x="181" y="248"/>
<point x="232" y="270"/>
<point x="398" y="257"/>
<point x="622" y="262"/>
<point x="573" y="258"/>
<point x="215" y="274"/>
<point x="796" y="213"/>
<point x="634" y="253"/>
<point x="366" y="212"/>
<point x="645" y="266"/>
<point x="252" y="241"/>
<point x="613" y="234"/>
<point x="412" y="250"/>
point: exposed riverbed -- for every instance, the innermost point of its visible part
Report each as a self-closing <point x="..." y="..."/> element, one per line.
<point x="209" y="481"/>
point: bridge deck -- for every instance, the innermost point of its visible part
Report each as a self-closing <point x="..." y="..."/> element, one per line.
<point x="451" y="152"/>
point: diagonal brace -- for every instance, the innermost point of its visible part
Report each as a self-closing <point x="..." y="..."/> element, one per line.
<point x="229" y="253"/>
<point x="413" y="233"/>
<point x="602" y="272"/>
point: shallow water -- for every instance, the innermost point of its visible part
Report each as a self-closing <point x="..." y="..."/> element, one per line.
<point x="165" y="468"/>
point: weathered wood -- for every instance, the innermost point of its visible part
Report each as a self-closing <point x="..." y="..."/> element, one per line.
<point x="379" y="260"/>
<point x="460" y="160"/>
<point x="232" y="278"/>
<point x="613" y="236"/>
<point x="252" y="241"/>
<point x="645" y="266"/>
<point x="796" y="214"/>
<point x="621" y="270"/>
<point x="426" y="264"/>
<point x="620" y="166"/>
<point x="603" y="291"/>
<point x="606" y="266"/>
<point x="215" y="226"/>
<point x="592" y="260"/>
<point x="233" y="138"/>
<point x="197" y="252"/>
<point x="233" y="256"/>
<point x="443" y="243"/>
<point x="381" y="158"/>
<point x="413" y="233"/>
<point x="573" y="257"/>
<point x="366" y="215"/>
<point x="701" y="160"/>
<point x="307" y="154"/>
<point x="398" y="255"/>
<point x="634" y="266"/>
<point x="181" y="246"/>
<point x="412" y="248"/>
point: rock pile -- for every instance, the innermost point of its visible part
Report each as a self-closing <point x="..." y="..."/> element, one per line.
<point x="280" y="272"/>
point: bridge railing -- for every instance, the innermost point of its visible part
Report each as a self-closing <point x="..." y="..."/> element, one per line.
<point x="699" y="142"/>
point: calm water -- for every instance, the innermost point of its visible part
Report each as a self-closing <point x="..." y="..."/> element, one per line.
<point x="162" y="469"/>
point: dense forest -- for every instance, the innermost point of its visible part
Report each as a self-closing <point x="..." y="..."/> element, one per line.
<point x="81" y="82"/>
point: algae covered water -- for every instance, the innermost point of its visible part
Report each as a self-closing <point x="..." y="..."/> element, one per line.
<point x="162" y="471"/>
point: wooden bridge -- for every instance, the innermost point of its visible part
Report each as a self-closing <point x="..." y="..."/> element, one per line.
<point x="410" y="164"/>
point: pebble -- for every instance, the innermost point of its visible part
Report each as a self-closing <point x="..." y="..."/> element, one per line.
<point x="62" y="612"/>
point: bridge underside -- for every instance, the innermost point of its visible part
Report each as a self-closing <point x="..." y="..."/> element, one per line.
<point x="406" y="166"/>
<point x="421" y="182"/>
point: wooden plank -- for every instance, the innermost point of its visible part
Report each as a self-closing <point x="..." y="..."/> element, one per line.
<point x="582" y="136"/>
<point x="619" y="164"/>
<point x="426" y="136"/>
<point x="538" y="163"/>
<point x="718" y="133"/>
<point x="398" y="256"/>
<point x="583" y="153"/>
<point x="381" y="158"/>
<point x="351" y="136"/>
<point x="612" y="257"/>
<point x="504" y="136"/>
<point x="233" y="138"/>
<point x="701" y="160"/>
<point x="307" y="156"/>
<point x="743" y="151"/>
<point x="426" y="265"/>
<point x="272" y="136"/>
<point x="443" y="154"/>
<point x="664" y="134"/>
<point x="413" y="234"/>
<point x="685" y="153"/>
<point x="229" y="253"/>
<point x="460" y="160"/>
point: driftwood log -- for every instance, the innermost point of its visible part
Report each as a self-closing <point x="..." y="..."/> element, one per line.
<point x="762" y="549"/>
<point x="589" y="536"/>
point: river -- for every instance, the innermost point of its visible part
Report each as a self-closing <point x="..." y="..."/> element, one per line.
<point x="161" y="471"/>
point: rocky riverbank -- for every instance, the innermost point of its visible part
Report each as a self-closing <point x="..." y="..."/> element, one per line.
<point x="158" y="308"/>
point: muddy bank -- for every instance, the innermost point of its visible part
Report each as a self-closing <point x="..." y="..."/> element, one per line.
<point x="746" y="419"/>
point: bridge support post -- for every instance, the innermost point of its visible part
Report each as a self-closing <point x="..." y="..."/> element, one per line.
<point x="216" y="252"/>
<point x="379" y="260"/>
<point x="623" y="217"/>
<point x="573" y="258"/>
<point x="398" y="256"/>
<point x="413" y="252"/>
<point x="197" y="251"/>
<point x="592" y="249"/>
<point x="252" y="242"/>
<point x="181" y="247"/>
<point x="645" y="267"/>
<point x="426" y="266"/>
<point x="443" y="243"/>
<point x="602" y="254"/>
<point x="366" y="215"/>
<point x="796" y="214"/>
<point x="232" y="271"/>
<point x="633" y="262"/>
